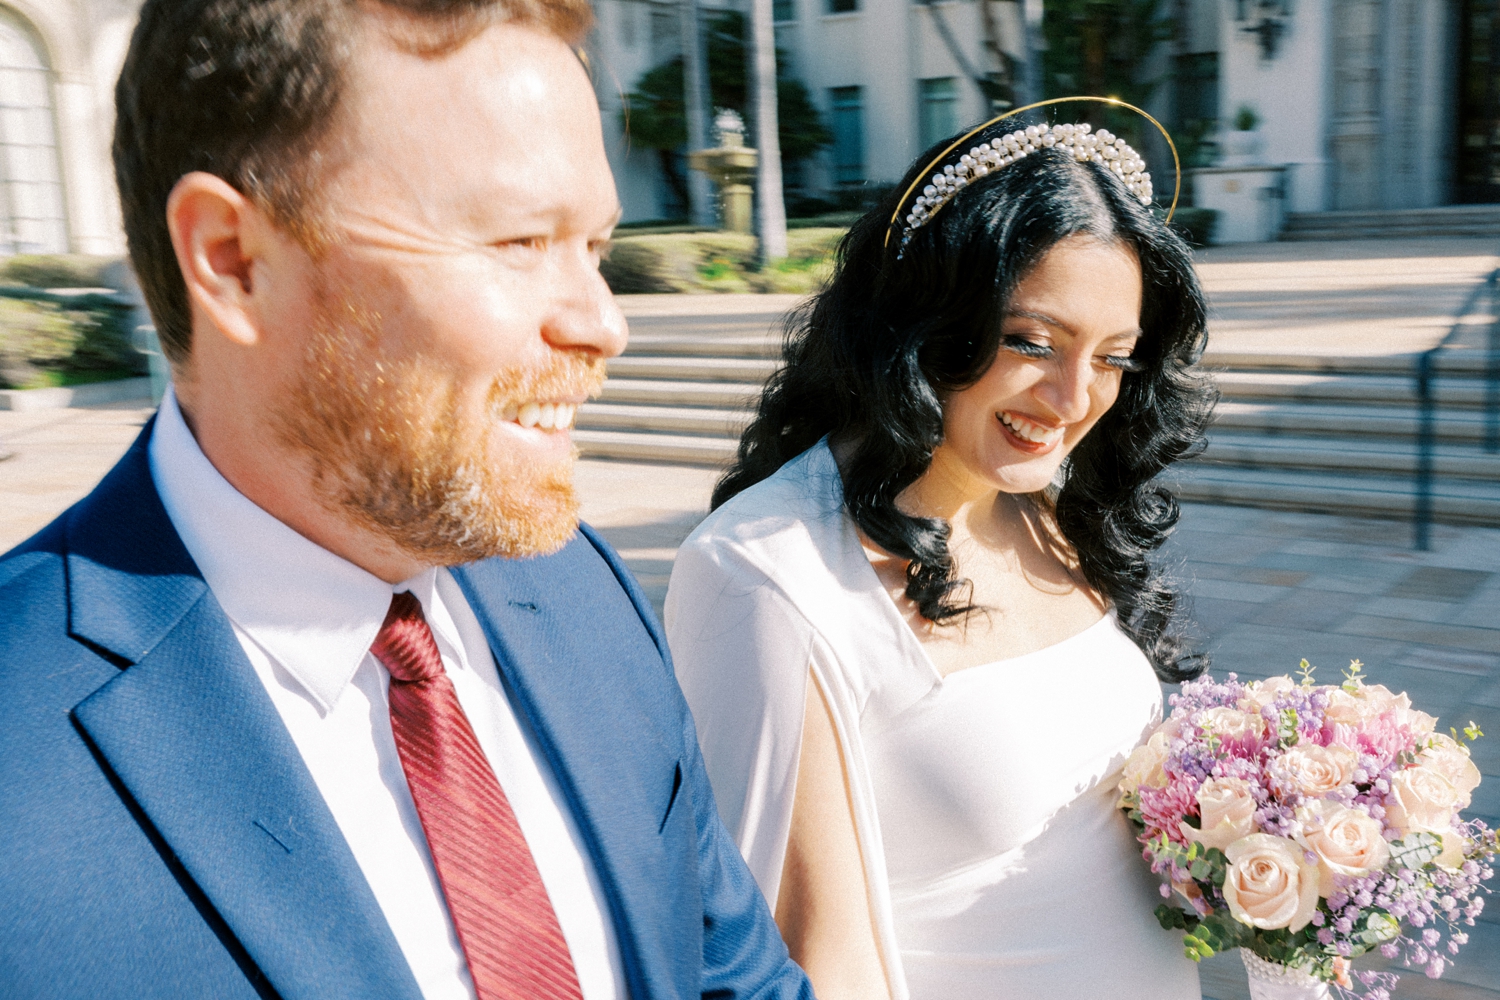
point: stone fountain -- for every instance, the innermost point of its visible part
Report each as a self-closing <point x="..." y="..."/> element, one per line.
<point x="730" y="166"/>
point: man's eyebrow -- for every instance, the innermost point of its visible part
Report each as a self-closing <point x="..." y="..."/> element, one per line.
<point x="1050" y="320"/>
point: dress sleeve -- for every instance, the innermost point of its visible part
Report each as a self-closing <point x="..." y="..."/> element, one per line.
<point x="742" y="651"/>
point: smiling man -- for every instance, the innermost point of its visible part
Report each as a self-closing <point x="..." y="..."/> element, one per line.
<point x="324" y="692"/>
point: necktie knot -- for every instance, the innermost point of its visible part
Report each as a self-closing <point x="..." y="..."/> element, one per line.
<point x="405" y="645"/>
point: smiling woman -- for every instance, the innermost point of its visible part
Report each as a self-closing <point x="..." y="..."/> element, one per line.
<point x="944" y="515"/>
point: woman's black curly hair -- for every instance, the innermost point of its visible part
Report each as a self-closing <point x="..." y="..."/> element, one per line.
<point x="869" y="361"/>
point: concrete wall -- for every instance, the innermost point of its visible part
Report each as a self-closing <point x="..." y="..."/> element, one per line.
<point x="1290" y="93"/>
<point x="85" y="43"/>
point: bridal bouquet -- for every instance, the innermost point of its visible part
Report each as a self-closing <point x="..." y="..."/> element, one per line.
<point x="1308" y="824"/>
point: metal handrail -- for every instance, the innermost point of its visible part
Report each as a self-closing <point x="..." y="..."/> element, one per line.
<point x="1426" y="404"/>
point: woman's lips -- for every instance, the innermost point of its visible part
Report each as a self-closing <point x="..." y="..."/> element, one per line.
<point x="1027" y="435"/>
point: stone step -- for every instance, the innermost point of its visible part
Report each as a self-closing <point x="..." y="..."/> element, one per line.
<point x="1447" y="220"/>
<point x="1290" y="387"/>
<point x="694" y="369"/>
<point x="1348" y="456"/>
<point x="1459" y="361"/>
<point x="677" y="449"/>
<point x="720" y="395"/>
<point x="757" y="355"/>
<point x="672" y="420"/>
<point x="1307" y="420"/>
<point x="1393" y="428"/>
<point x="739" y="345"/>
<point x="1361" y="390"/>
<point x="1317" y="492"/>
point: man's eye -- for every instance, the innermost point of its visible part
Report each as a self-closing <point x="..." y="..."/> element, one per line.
<point x="525" y="243"/>
<point x="1026" y="348"/>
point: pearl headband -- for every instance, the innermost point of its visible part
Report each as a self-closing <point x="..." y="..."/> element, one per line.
<point x="1085" y="145"/>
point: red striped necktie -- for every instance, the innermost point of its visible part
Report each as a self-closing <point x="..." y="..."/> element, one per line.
<point x="505" y="922"/>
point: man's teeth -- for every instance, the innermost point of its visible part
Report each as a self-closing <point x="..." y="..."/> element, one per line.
<point x="1028" y="431"/>
<point x="547" y="416"/>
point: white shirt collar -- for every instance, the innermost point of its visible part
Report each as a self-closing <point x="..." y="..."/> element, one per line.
<point x="313" y="612"/>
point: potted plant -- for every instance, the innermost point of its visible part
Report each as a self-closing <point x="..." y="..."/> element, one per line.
<point x="1242" y="145"/>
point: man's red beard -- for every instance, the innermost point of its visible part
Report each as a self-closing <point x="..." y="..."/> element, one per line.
<point x="393" y="450"/>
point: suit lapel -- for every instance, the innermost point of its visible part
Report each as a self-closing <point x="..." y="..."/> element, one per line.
<point x="587" y="678"/>
<point x="192" y="737"/>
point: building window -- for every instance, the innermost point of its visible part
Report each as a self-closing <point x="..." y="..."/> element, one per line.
<point x="32" y="219"/>
<point x="842" y="6"/>
<point x="848" y="134"/>
<point x="784" y="10"/>
<point x="937" y="109"/>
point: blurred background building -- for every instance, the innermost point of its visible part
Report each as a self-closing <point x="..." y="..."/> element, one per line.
<point x="1355" y="104"/>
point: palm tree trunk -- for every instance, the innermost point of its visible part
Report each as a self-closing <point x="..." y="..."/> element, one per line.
<point x="770" y="209"/>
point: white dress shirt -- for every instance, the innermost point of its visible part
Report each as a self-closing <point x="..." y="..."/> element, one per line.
<point x="306" y="619"/>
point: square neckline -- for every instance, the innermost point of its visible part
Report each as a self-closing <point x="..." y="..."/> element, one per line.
<point x="850" y="533"/>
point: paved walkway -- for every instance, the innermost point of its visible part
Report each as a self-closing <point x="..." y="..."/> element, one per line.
<point x="1268" y="588"/>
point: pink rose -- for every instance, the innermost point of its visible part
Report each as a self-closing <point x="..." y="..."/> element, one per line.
<point x="1270" y="883"/>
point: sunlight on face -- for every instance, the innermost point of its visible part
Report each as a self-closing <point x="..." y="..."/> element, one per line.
<point x="468" y="202"/>
<point x="1066" y="339"/>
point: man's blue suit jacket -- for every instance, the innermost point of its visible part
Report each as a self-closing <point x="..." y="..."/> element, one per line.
<point x="161" y="837"/>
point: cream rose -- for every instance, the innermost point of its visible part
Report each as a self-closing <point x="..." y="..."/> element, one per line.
<point x="1416" y="721"/>
<point x="1367" y="701"/>
<point x="1226" y="811"/>
<point x="1451" y="759"/>
<point x="1316" y="771"/>
<point x="1346" y="841"/>
<point x="1423" y="800"/>
<point x="1143" y="767"/>
<point x="1231" y="723"/>
<point x="1259" y="694"/>
<point x="1270" y="883"/>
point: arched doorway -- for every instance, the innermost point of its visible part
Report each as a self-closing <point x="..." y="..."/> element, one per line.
<point x="32" y="214"/>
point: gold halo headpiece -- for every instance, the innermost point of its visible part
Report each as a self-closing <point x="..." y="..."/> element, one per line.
<point x="941" y="182"/>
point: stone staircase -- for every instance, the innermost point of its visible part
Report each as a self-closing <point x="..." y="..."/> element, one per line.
<point x="1339" y="435"/>
<point x="1447" y="220"/>
<point x="1308" y="433"/>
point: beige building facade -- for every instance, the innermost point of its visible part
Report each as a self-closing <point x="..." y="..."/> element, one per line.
<point x="1368" y="104"/>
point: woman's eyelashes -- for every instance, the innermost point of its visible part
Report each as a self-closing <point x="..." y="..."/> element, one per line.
<point x="1026" y="347"/>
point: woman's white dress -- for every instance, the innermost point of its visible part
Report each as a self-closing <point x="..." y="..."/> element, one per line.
<point x="984" y="802"/>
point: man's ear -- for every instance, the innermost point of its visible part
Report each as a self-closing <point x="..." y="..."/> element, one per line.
<point x="212" y="225"/>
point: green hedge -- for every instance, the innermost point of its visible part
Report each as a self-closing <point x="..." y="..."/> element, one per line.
<point x="718" y="262"/>
<point x="51" y="337"/>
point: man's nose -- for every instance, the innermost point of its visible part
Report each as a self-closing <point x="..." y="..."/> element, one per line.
<point x="585" y="315"/>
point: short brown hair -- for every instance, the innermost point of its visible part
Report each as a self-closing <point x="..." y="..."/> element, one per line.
<point x="245" y="90"/>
